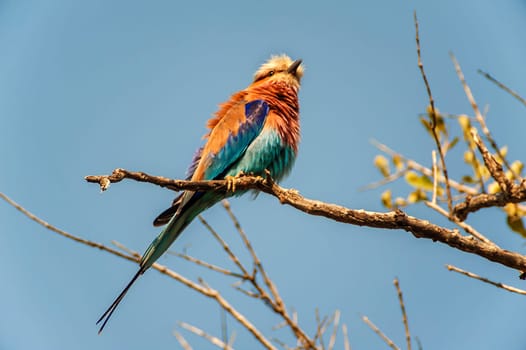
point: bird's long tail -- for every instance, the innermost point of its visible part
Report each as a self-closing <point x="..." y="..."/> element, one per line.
<point x="161" y="243"/>
<point x="107" y="314"/>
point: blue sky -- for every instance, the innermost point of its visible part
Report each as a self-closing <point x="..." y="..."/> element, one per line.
<point x="86" y="87"/>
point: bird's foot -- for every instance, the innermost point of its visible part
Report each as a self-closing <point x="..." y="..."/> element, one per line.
<point x="231" y="181"/>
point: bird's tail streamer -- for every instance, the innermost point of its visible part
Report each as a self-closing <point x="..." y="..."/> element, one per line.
<point x="107" y="314"/>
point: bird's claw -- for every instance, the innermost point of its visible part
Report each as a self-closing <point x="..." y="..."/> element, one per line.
<point x="231" y="181"/>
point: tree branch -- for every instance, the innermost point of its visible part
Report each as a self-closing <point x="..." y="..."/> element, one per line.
<point x="486" y="280"/>
<point x="433" y="117"/>
<point x="394" y="220"/>
<point x="502" y="86"/>
<point x="204" y="290"/>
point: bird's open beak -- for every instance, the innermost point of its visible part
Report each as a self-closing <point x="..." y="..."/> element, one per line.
<point x="294" y="66"/>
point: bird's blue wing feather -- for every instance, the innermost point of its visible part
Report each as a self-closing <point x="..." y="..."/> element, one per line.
<point x="236" y="144"/>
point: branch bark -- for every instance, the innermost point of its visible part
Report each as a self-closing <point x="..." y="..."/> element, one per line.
<point x="394" y="220"/>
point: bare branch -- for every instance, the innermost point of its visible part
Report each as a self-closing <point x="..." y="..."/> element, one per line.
<point x="182" y="341"/>
<point x="413" y="165"/>
<point x="491" y="163"/>
<point x="389" y="220"/>
<point x="126" y="249"/>
<point x="257" y="262"/>
<point x="404" y="314"/>
<point x="321" y="326"/>
<point x="388" y="179"/>
<point x="433" y="117"/>
<point x="206" y="264"/>
<point x="346" y="343"/>
<point x="206" y="291"/>
<point x="478" y="115"/>
<point x="335" y="324"/>
<point x="468" y="228"/>
<point x="502" y="86"/>
<point x="381" y="334"/>
<point x="435" y="176"/>
<point x="277" y="302"/>
<point x="64" y="233"/>
<point x="488" y="200"/>
<point x="226" y="248"/>
<point x="474" y="200"/>
<point x="486" y="280"/>
<point x="198" y="331"/>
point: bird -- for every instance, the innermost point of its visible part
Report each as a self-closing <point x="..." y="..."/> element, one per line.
<point x="256" y="130"/>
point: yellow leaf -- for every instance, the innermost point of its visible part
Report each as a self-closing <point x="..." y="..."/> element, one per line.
<point x="465" y="123"/>
<point x="493" y="188"/>
<point x="450" y="145"/>
<point x="483" y="172"/>
<point x="426" y="124"/>
<point x="440" y="125"/>
<point x="504" y="151"/>
<point x="517" y="167"/>
<point x="511" y="209"/>
<point x="398" y="163"/>
<point x="468" y="179"/>
<point x="382" y="164"/>
<point x="419" y="181"/>
<point x="516" y="224"/>
<point x="416" y="196"/>
<point x="386" y="199"/>
<point x="469" y="157"/>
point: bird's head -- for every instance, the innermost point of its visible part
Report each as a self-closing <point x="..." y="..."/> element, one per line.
<point x="280" y="69"/>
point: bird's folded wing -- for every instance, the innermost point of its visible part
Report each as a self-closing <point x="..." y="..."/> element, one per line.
<point x="225" y="145"/>
<point x="230" y="138"/>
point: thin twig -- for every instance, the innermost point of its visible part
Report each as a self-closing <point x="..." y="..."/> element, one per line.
<point x="494" y="167"/>
<point x="182" y="341"/>
<point x="404" y="314"/>
<point x="466" y="227"/>
<point x="433" y="117"/>
<point x="388" y="179"/>
<point x="321" y="326"/>
<point x="226" y="247"/>
<point x="232" y="339"/>
<point x="277" y="302"/>
<point x="224" y="326"/>
<point x="255" y="258"/>
<point x="486" y="280"/>
<point x="126" y="249"/>
<point x="419" y="343"/>
<point x="214" y="294"/>
<point x="335" y="324"/>
<point x="502" y="86"/>
<point x="64" y="233"/>
<point x="206" y="264"/>
<point x="346" y="343"/>
<point x="206" y="291"/>
<point x="247" y="293"/>
<point x="478" y="115"/>
<point x="381" y="334"/>
<point x="435" y="175"/>
<point x="413" y="165"/>
<point x="198" y="331"/>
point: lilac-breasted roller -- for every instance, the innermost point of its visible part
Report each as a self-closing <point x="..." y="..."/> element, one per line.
<point x="256" y="129"/>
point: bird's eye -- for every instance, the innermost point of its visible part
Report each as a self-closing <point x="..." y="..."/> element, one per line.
<point x="271" y="73"/>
